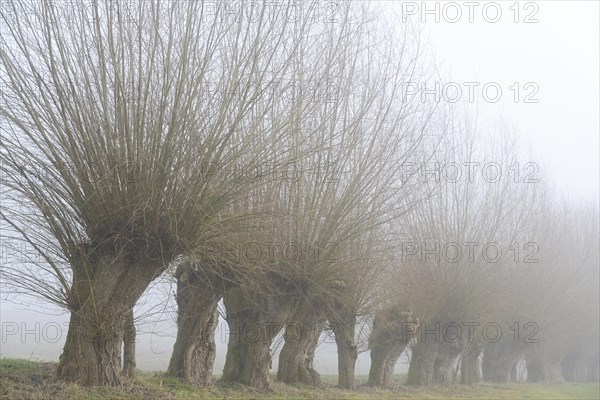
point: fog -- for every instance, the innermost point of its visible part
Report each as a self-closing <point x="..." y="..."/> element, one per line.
<point x="553" y="59"/>
<point x="40" y="335"/>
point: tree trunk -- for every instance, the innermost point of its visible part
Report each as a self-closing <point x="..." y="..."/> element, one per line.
<point x="129" y="339"/>
<point x="92" y="354"/>
<point x="343" y="324"/>
<point x="198" y="295"/>
<point x="470" y="364"/>
<point x="421" y="369"/>
<point x="499" y="360"/>
<point x="541" y="368"/>
<point x="393" y="328"/>
<point x="379" y="358"/>
<point x="579" y="365"/>
<point x="390" y="364"/>
<point x="103" y="292"/>
<point x="301" y="338"/>
<point x="514" y="373"/>
<point x="253" y="323"/>
<point x="309" y="360"/>
<point x="574" y="368"/>
<point x="444" y="367"/>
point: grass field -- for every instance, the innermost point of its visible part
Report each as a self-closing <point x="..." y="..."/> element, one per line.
<point x="23" y="379"/>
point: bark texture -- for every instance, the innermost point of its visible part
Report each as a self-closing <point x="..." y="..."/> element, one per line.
<point x="435" y="356"/>
<point x="198" y="295"/>
<point x="105" y="288"/>
<point x="470" y="364"/>
<point x="129" y="339"/>
<point x="342" y="321"/>
<point x="301" y="338"/>
<point x="421" y="369"/>
<point x="445" y="369"/>
<point x="390" y="364"/>
<point x="254" y="320"/>
<point x="393" y="328"/>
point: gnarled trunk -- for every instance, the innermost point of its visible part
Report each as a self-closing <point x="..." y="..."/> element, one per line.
<point x="194" y="351"/>
<point x="434" y="362"/>
<point x="470" y="364"/>
<point x="445" y="366"/>
<point x="129" y="339"/>
<point x="343" y="325"/>
<point x="421" y="369"/>
<point x="500" y="359"/>
<point x="309" y="360"/>
<point x="379" y="357"/>
<point x="390" y="363"/>
<point x="393" y="328"/>
<point x="301" y="338"/>
<point x="103" y="292"/>
<point x="253" y="323"/>
<point x="92" y="353"/>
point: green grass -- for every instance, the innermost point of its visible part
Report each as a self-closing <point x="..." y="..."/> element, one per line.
<point x="23" y="379"/>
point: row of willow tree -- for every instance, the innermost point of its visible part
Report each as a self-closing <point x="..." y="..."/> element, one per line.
<point x="272" y="157"/>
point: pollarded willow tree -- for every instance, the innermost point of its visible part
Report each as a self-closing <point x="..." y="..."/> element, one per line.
<point x="503" y="356"/>
<point x="315" y="209"/>
<point x="349" y="213"/>
<point x="560" y="293"/>
<point x="393" y="328"/>
<point x="549" y="293"/>
<point x="300" y="97"/>
<point x="455" y="245"/>
<point x="115" y="117"/>
<point x="199" y="289"/>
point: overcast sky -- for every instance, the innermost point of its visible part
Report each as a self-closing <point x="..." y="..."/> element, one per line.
<point x="559" y="54"/>
<point x="558" y="57"/>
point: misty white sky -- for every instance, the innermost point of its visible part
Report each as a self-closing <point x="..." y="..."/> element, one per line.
<point x="559" y="54"/>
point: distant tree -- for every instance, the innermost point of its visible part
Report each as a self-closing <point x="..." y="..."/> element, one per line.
<point x="561" y="293"/>
<point x="442" y="272"/>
